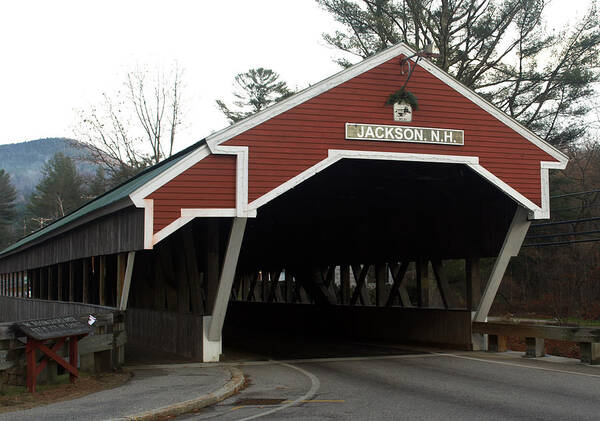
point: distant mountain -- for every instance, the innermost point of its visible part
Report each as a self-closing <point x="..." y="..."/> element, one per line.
<point x="24" y="161"/>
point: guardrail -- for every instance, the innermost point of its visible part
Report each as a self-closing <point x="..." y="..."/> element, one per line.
<point x="588" y="338"/>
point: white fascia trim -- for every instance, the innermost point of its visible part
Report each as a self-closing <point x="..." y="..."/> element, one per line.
<point x="335" y="155"/>
<point x="154" y="184"/>
<point x="148" y="205"/>
<point x="241" y="182"/>
<point x="216" y="213"/>
<point x="188" y="214"/>
<point x="227" y="133"/>
<point x="170" y="229"/>
<point x="493" y="110"/>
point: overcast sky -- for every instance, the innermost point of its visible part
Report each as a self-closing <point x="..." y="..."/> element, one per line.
<point x="60" y="56"/>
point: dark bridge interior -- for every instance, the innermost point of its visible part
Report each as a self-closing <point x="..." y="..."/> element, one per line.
<point x="366" y="210"/>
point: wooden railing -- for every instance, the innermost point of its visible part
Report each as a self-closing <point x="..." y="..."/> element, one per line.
<point x="13" y="309"/>
<point x="534" y="333"/>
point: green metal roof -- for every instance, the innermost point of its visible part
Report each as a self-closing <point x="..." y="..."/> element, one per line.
<point x="112" y="196"/>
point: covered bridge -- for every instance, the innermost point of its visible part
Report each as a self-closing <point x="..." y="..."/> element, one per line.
<point x="320" y="207"/>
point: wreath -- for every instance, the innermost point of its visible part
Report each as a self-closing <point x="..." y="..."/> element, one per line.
<point x="403" y="95"/>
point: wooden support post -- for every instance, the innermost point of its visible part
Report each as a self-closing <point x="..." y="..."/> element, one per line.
<point x="73" y="356"/>
<point x="214" y="324"/>
<point x="71" y="281"/>
<point x="59" y="282"/>
<point x="423" y="282"/>
<point x="345" y="284"/>
<point x="160" y="299"/>
<point x="497" y="343"/>
<point x="449" y="297"/>
<point x="85" y="280"/>
<point x="381" y="279"/>
<point x="289" y="286"/>
<point x="31" y="361"/>
<point x="102" y="281"/>
<point x="212" y="263"/>
<point x="43" y="283"/>
<point x="360" y="290"/>
<point x="511" y="246"/>
<point x="50" y="283"/>
<point x="590" y="353"/>
<point x="124" y="296"/>
<point x="535" y="347"/>
<point x="183" y="287"/>
<point x="195" y="277"/>
<point x="473" y="283"/>
<point x="398" y="289"/>
<point x="121" y="265"/>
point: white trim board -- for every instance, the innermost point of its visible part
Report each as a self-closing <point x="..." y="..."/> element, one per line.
<point x="223" y="135"/>
<point x="249" y="210"/>
<point x="472" y="162"/>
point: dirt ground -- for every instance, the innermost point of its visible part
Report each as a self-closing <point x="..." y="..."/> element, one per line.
<point x="15" y="398"/>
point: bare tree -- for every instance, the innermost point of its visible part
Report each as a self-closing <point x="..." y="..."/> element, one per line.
<point x="136" y="127"/>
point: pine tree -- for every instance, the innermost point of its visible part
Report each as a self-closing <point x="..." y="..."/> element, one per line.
<point x="97" y="185"/>
<point x="256" y="90"/>
<point x="58" y="193"/>
<point x="8" y="197"/>
<point x="499" y="48"/>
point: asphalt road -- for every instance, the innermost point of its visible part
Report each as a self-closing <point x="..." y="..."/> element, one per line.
<point x="413" y="387"/>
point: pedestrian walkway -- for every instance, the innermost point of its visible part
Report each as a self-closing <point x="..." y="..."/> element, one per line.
<point x="150" y="392"/>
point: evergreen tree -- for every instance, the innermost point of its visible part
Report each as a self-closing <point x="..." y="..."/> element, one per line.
<point x="499" y="48"/>
<point x="59" y="192"/>
<point x="256" y="90"/>
<point x="8" y="196"/>
<point x="98" y="184"/>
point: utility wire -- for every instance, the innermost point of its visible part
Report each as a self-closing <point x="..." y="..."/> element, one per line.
<point x="574" y="194"/>
<point x="576" y="207"/>
<point x="560" y="243"/>
<point x="562" y="234"/>
<point x="570" y="221"/>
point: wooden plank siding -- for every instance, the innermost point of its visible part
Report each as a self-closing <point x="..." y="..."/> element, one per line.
<point x="118" y="232"/>
<point x="297" y="139"/>
<point x="208" y="184"/>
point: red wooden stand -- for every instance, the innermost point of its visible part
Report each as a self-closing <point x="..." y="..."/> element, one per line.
<point x="33" y="370"/>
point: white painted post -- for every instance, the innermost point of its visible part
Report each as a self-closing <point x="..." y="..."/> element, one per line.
<point x="511" y="246"/>
<point x="127" y="280"/>
<point x="213" y="325"/>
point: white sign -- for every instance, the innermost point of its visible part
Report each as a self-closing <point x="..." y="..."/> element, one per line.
<point x="403" y="112"/>
<point x="357" y="131"/>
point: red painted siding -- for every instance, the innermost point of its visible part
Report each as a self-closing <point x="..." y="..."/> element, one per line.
<point x="210" y="183"/>
<point x="295" y="140"/>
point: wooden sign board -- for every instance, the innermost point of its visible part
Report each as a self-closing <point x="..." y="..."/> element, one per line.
<point x="357" y="131"/>
<point x="53" y="328"/>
